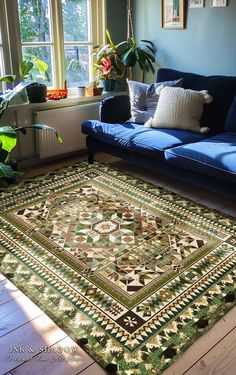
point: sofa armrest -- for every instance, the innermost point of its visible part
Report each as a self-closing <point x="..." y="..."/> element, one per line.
<point x="115" y="109"/>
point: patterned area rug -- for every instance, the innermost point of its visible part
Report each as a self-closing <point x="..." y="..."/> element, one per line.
<point x="131" y="271"/>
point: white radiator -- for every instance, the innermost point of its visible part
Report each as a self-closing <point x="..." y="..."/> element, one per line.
<point x="67" y="121"/>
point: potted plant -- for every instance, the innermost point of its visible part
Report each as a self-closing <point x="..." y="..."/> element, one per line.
<point x="136" y="52"/>
<point x="94" y="89"/>
<point x="37" y="91"/>
<point x="109" y="63"/>
<point x="8" y="134"/>
<point x="141" y="53"/>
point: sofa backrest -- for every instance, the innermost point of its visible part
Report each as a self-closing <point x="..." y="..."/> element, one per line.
<point x="222" y="89"/>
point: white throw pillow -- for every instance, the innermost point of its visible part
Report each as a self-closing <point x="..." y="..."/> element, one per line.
<point x="179" y="108"/>
<point x="143" y="99"/>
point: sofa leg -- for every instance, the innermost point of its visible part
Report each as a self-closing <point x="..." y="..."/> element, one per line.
<point x="90" y="158"/>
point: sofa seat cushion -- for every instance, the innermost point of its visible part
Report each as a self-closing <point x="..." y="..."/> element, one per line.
<point x="152" y="142"/>
<point x="215" y="156"/>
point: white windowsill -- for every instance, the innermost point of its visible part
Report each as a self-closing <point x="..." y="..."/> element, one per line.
<point x="69" y="101"/>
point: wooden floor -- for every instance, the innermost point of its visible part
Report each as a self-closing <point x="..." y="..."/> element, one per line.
<point x="25" y="327"/>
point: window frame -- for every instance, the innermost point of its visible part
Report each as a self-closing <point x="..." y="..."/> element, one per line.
<point x="6" y="60"/>
<point x="12" y="44"/>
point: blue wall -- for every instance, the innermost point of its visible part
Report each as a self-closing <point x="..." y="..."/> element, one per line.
<point x="116" y="19"/>
<point x="206" y="46"/>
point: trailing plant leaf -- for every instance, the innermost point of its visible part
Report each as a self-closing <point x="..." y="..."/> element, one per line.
<point x="8" y="78"/>
<point x="3" y="106"/>
<point x="7" y="138"/>
<point x="8" y="134"/>
<point x="23" y="129"/>
<point x="46" y="127"/>
<point x="21" y="86"/>
<point x="6" y="98"/>
<point x="6" y="171"/>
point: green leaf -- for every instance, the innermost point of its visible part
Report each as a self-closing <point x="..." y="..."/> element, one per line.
<point x="121" y="43"/>
<point x="25" y="68"/>
<point x="41" y="65"/>
<point x="109" y="37"/>
<point x="105" y="51"/>
<point x="21" y="86"/>
<point x="151" y="57"/>
<point x="147" y="41"/>
<point x="3" y="106"/>
<point x="7" y="130"/>
<point x="7" y="138"/>
<point x="9" y="96"/>
<point x="8" y="78"/>
<point x="6" y="171"/>
<point x="141" y="57"/>
<point x="46" y="127"/>
<point x="39" y="127"/>
<point x="150" y="65"/>
<point x="151" y="49"/>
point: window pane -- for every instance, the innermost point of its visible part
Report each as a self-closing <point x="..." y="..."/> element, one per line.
<point x="45" y="54"/>
<point x="77" y="65"/>
<point x="75" y="20"/>
<point x="34" y="20"/>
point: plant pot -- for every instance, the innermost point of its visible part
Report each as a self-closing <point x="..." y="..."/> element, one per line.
<point x="93" y="91"/>
<point x="37" y="93"/>
<point x="108" y="84"/>
<point x="130" y="60"/>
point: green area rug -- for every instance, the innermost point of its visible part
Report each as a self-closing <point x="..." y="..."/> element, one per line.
<point x="131" y="271"/>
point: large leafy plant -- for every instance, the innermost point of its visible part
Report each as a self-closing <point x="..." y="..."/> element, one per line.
<point x="113" y="58"/>
<point x="108" y="59"/>
<point x="8" y="134"/>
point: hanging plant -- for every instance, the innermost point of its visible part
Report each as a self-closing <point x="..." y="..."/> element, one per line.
<point x="137" y="52"/>
<point x="141" y="53"/>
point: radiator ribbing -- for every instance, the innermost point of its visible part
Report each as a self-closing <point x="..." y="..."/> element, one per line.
<point x="67" y="121"/>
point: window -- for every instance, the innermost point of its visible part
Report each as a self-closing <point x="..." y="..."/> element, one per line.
<point x="77" y="41"/>
<point x="36" y="35"/>
<point x="59" y="32"/>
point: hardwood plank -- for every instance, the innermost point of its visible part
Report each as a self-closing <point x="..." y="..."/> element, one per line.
<point x="219" y="360"/>
<point x="31" y="338"/>
<point x="203" y="344"/>
<point x="230" y="210"/>
<point x="69" y="360"/>
<point x="8" y="291"/>
<point x="216" y="202"/>
<point x="17" y="312"/>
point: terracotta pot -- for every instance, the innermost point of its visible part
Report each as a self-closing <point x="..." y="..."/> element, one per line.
<point x="93" y="91"/>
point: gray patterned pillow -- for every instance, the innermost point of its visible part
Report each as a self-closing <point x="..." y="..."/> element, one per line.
<point x="143" y="99"/>
<point x="178" y="108"/>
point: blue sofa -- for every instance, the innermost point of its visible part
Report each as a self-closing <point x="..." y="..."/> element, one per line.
<point x="207" y="161"/>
